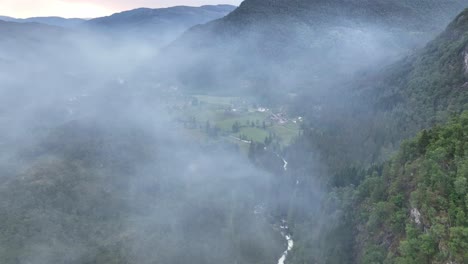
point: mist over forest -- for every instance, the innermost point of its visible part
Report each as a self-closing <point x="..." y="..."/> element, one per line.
<point x="279" y="131"/>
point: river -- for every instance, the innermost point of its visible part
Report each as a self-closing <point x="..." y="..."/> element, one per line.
<point x="284" y="228"/>
<point x="285" y="233"/>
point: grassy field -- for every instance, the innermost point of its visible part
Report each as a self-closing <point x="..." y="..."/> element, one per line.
<point x="217" y="100"/>
<point x="222" y="113"/>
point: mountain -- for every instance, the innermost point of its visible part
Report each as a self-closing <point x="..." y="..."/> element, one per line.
<point x="430" y="85"/>
<point x="102" y="192"/>
<point x="415" y="210"/>
<point x="390" y="103"/>
<point x="92" y="174"/>
<point x="320" y="41"/>
<point x="162" y="24"/>
<point x="51" y="21"/>
<point x="409" y="209"/>
<point x="392" y="199"/>
<point x="415" y="93"/>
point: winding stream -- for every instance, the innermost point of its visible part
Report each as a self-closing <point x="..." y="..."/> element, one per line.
<point x="284" y="226"/>
<point x="284" y="232"/>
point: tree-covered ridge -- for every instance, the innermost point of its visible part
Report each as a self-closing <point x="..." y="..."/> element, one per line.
<point x="302" y="46"/>
<point x="415" y="210"/>
<point x="411" y="209"/>
<point x="395" y="103"/>
<point x="94" y="193"/>
<point x="393" y="13"/>
<point x="425" y="88"/>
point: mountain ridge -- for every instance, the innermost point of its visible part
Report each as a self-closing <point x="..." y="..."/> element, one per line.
<point x="138" y="17"/>
<point x="256" y="30"/>
<point x="150" y="13"/>
<point x="51" y="21"/>
<point x="157" y="26"/>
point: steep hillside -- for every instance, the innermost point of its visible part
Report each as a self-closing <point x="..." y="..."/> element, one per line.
<point x="415" y="211"/>
<point x="418" y="92"/>
<point x="430" y="85"/>
<point x="385" y="106"/>
<point x="399" y="13"/>
<point x="98" y="192"/>
<point x="411" y="209"/>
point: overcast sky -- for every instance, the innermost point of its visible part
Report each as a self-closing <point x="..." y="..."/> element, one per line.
<point x="89" y="8"/>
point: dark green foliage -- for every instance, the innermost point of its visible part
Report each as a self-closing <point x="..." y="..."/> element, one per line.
<point x="236" y="127"/>
<point x="413" y="209"/>
<point x="91" y="193"/>
<point x="421" y="211"/>
<point x="427" y="88"/>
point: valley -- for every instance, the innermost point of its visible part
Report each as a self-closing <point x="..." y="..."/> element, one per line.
<point x="236" y="120"/>
<point x="276" y="131"/>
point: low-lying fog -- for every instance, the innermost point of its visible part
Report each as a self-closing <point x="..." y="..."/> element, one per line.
<point x="94" y="168"/>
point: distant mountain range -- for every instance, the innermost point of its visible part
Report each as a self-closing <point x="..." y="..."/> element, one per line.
<point x="24" y="43"/>
<point x="51" y="21"/>
<point x="184" y="16"/>
<point x="160" y="25"/>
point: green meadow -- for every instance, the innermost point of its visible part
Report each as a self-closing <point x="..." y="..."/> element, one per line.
<point x="235" y="119"/>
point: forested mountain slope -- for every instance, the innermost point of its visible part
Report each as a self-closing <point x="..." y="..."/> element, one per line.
<point x="385" y="106"/>
<point x="303" y="45"/>
<point x="98" y="192"/>
<point x="94" y="172"/>
<point x="415" y="210"/>
<point x="411" y="209"/>
<point x="425" y="88"/>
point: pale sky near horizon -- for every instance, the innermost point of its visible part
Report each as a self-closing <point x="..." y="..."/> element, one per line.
<point x="90" y="8"/>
